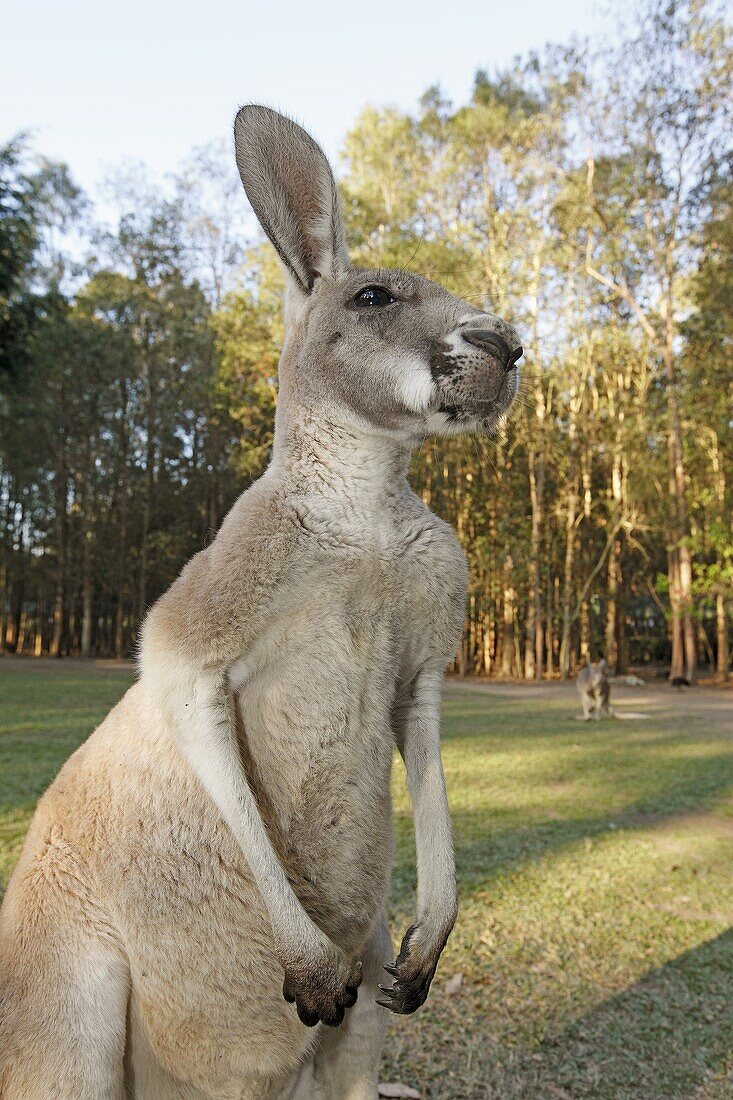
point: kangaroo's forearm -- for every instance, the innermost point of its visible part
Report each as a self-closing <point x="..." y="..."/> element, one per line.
<point x="198" y="709"/>
<point x="418" y="737"/>
<point x="199" y="713"/>
<point x="205" y="734"/>
<point x="436" y="876"/>
<point x="436" y="880"/>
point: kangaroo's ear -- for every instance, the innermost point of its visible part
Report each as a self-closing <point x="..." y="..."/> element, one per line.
<point x="293" y="193"/>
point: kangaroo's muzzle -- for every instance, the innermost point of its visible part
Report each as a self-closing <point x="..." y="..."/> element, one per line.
<point x="475" y="371"/>
<point x="495" y="344"/>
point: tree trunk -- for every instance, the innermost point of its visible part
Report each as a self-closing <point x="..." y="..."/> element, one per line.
<point x="122" y="505"/>
<point x="59" y="605"/>
<point x="533" y="638"/>
<point x="549" y="653"/>
<point x="151" y="429"/>
<point x="567" y="582"/>
<point x="584" y="632"/>
<point x="507" y="646"/>
<point x="612" y="577"/>
<point x="87" y="593"/>
<point x="87" y="564"/>
<point x="488" y="638"/>
<point x="677" y="666"/>
<point x="22" y="631"/>
<point x="6" y="592"/>
<point x="15" y="574"/>
<point x="721" y="623"/>
<point x="684" y="645"/>
<point x="119" y="639"/>
<point x="622" y="642"/>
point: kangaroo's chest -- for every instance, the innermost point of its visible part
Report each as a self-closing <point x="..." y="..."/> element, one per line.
<point x="314" y="697"/>
<point x="316" y="690"/>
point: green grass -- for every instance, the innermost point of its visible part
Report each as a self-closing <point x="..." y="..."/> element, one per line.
<point x="594" y="865"/>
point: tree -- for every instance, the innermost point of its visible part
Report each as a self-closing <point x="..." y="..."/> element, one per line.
<point x="668" y="106"/>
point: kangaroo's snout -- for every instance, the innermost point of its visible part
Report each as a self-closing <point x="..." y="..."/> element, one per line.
<point x="475" y="372"/>
<point x="494" y="344"/>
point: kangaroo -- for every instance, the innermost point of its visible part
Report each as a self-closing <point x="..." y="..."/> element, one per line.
<point x="198" y="911"/>
<point x="594" y="691"/>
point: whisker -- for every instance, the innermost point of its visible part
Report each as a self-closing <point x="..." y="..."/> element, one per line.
<point x="421" y="238"/>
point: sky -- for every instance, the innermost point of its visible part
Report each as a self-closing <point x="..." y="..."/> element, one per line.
<point x="99" y="83"/>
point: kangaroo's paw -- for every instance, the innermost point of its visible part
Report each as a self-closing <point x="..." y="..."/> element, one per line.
<point x="323" y="988"/>
<point x="413" y="971"/>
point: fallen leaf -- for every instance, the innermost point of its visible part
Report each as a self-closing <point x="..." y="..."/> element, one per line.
<point x="453" y="984"/>
<point x="393" y="1089"/>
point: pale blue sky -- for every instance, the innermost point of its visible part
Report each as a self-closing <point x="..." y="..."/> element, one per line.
<point x="98" y="82"/>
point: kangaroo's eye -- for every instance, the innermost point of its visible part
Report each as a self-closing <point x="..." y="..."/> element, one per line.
<point x="373" y="297"/>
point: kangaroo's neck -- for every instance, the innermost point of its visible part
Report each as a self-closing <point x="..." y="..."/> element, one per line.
<point x="325" y="457"/>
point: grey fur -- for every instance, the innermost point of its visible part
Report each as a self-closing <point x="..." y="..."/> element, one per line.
<point x="208" y="874"/>
<point x="594" y="690"/>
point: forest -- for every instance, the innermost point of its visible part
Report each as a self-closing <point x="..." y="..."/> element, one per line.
<point x="584" y="193"/>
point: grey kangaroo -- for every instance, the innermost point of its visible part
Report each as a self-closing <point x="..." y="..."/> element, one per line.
<point x="198" y="911"/>
<point x="594" y="690"/>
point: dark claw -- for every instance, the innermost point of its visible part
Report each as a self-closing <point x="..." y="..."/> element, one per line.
<point x="349" y="997"/>
<point x="406" y="995"/>
<point x="287" y="993"/>
<point x="391" y="970"/>
<point x="310" y="1019"/>
<point x="334" y="1019"/>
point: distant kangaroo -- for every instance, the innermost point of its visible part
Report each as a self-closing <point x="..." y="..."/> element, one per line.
<point x="219" y="850"/>
<point x="594" y="690"/>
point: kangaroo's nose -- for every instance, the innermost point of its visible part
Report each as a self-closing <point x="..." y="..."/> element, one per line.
<point x="495" y="344"/>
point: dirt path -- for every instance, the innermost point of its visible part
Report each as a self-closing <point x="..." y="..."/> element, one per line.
<point x="24" y="665"/>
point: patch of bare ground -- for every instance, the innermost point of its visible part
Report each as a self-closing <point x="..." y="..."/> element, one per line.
<point x="66" y="665"/>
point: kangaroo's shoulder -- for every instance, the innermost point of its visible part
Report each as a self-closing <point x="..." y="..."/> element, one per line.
<point x="434" y="539"/>
<point x="434" y="582"/>
<point x="223" y="590"/>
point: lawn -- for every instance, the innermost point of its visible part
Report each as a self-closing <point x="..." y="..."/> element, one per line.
<point x="594" y="942"/>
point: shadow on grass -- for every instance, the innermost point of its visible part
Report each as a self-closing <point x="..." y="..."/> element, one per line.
<point x="490" y="841"/>
<point x="694" y="785"/>
<point x="523" y="798"/>
<point x="524" y="784"/>
<point x="669" y="1036"/>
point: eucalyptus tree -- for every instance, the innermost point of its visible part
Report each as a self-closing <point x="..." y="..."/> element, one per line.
<point x="707" y="361"/>
<point x="665" y="119"/>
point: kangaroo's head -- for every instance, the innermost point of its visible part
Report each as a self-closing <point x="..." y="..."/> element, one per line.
<point x="597" y="673"/>
<point x="385" y="348"/>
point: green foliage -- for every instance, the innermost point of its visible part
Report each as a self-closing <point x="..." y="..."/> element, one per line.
<point x="584" y="195"/>
<point x="248" y="334"/>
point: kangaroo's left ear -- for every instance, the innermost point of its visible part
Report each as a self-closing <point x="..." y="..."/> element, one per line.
<point x="293" y="193"/>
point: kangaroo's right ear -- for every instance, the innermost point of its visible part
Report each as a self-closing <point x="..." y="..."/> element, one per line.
<point x="293" y="193"/>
